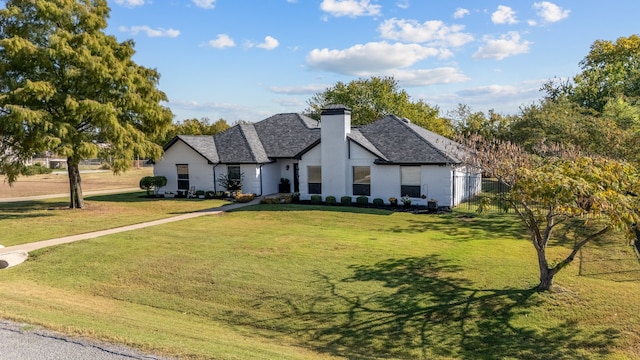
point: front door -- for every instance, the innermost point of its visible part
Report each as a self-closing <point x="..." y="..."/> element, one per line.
<point x="296" y="181"/>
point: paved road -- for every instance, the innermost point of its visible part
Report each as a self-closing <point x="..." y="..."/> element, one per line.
<point x="20" y="342"/>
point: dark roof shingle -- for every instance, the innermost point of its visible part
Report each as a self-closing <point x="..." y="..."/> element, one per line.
<point x="404" y="143"/>
<point x="202" y="144"/>
<point x="286" y="135"/>
<point x="392" y="139"/>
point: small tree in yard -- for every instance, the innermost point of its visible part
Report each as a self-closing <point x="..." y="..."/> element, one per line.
<point x="152" y="183"/>
<point x="229" y="183"/>
<point x="556" y="185"/>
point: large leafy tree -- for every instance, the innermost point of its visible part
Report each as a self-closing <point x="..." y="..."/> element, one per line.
<point x="563" y="121"/>
<point x="611" y="69"/>
<point x="556" y="185"/>
<point x="66" y="86"/>
<point x="613" y="132"/>
<point x="467" y="122"/>
<point x="195" y="127"/>
<point x="372" y="98"/>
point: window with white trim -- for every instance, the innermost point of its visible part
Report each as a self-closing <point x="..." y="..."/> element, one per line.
<point x="361" y="181"/>
<point x="410" y="181"/>
<point x="314" y="179"/>
<point x="183" y="176"/>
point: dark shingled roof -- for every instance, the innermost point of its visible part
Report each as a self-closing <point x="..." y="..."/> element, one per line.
<point x="392" y="139"/>
<point x="240" y="144"/>
<point x="202" y="144"/>
<point x="357" y="137"/>
<point x="286" y="135"/>
<point x="404" y="143"/>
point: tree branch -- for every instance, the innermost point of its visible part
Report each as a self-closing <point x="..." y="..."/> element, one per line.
<point x="579" y="246"/>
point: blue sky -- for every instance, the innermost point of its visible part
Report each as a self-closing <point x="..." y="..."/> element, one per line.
<point x="250" y="59"/>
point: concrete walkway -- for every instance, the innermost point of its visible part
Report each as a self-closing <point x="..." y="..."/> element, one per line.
<point x="92" y="235"/>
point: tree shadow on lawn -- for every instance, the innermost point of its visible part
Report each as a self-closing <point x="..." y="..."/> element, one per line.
<point x="422" y="310"/>
<point x="137" y="196"/>
<point x="464" y="226"/>
<point x="29" y="209"/>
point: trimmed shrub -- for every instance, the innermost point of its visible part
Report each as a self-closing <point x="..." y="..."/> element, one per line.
<point x="377" y="202"/>
<point x="345" y="200"/>
<point x="330" y="200"/>
<point x="245" y="198"/>
<point x="362" y="201"/>
<point x="36" y="169"/>
<point x="316" y="199"/>
<point x="152" y="182"/>
<point x="270" y="201"/>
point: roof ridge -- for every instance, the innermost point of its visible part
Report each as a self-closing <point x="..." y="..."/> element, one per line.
<point x="246" y="140"/>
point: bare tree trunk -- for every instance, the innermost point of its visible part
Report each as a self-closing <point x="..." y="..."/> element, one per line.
<point x="546" y="279"/>
<point x="546" y="274"/>
<point x="76" y="200"/>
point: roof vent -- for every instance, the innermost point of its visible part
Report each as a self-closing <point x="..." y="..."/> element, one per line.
<point x="404" y="119"/>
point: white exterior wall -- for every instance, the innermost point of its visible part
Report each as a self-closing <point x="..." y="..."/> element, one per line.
<point x="467" y="184"/>
<point x="436" y="181"/>
<point x="272" y="173"/>
<point x="284" y="172"/>
<point x="271" y="178"/>
<point x="200" y="171"/>
<point x="250" y="177"/>
<point x="436" y="184"/>
<point x="311" y="158"/>
<point x="359" y="157"/>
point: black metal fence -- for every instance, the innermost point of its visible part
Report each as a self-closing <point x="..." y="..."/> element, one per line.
<point x="490" y="198"/>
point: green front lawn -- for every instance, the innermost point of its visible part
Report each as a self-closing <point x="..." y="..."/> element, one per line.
<point x="303" y="282"/>
<point x="32" y="221"/>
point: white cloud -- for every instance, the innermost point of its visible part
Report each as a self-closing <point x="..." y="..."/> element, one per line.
<point x="550" y="12"/>
<point x="509" y="97"/>
<point x="351" y="8"/>
<point x="290" y="102"/>
<point x="362" y="60"/>
<point x="403" y="4"/>
<point x="269" y="43"/>
<point x="434" y="32"/>
<point x="130" y="3"/>
<point x="504" y="15"/>
<point x="299" y="90"/>
<point x="205" y="4"/>
<point x="135" y="30"/>
<point x="426" y="77"/>
<point x="507" y="45"/>
<point x="460" y="13"/>
<point x="221" y="41"/>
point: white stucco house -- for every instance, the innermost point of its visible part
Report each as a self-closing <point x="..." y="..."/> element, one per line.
<point x="390" y="157"/>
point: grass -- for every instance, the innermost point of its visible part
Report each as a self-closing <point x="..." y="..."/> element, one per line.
<point x="303" y="282"/>
<point x="32" y="221"/>
<point x="58" y="182"/>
